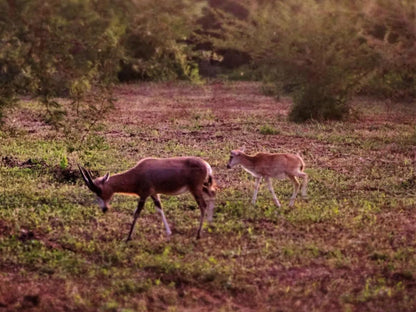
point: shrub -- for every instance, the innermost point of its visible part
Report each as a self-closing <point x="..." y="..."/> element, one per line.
<point x="73" y="49"/>
<point x="315" y="104"/>
<point x="157" y="41"/>
<point x="313" y="49"/>
<point x="268" y="130"/>
<point x="390" y="30"/>
<point x="59" y="48"/>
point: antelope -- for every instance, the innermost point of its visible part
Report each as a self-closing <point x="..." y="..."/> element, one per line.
<point x="154" y="176"/>
<point x="269" y="165"/>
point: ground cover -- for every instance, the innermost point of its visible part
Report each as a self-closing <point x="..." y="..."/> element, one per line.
<point x="350" y="247"/>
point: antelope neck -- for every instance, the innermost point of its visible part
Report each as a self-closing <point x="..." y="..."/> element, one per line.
<point x="247" y="161"/>
<point x="119" y="183"/>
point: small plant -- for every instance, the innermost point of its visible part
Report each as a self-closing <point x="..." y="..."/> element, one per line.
<point x="64" y="162"/>
<point x="268" y="130"/>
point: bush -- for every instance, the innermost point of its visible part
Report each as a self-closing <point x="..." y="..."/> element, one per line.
<point x="390" y="31"/>
<point x="314" y="104"/>
<point x="268" y="130"/>
<point x="59" y="48"/>
<point x="74" y="49"/>
<point x="157" y="41"/>
<point x="313" y="49"/>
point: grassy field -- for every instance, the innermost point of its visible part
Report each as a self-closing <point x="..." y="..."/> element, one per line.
<point x="350" y="247"/>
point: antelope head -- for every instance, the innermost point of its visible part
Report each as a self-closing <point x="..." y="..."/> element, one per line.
<point x="234" y="158"/>
<point x="98" y="186"/>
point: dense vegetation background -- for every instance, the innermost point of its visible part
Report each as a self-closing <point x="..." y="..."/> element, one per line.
<point x="322" y="52"/>
<point x="78" y="86"/>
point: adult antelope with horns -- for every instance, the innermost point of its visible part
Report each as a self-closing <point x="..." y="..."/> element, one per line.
<point x="154" y="176"/>
<point x="269" y="165"/>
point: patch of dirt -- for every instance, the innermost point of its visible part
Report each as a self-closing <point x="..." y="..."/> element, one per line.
<point x="28" y="120"/>
<point x="296" y="275"/>
<point x="28" y="295"/>
<point x="66" y="175"/>
<point x="10" y="161"/>
<point x="142" y="103"/>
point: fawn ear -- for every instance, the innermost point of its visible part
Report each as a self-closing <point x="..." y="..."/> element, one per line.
<point x="243" y="148"/>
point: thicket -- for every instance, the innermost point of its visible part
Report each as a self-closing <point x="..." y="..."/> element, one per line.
<point x="54" y="48"/>
<point x="321" y="51"/>
<point x="390" y="29"/>
<point x="157" y="40"/>
<point x="80" y="49"/>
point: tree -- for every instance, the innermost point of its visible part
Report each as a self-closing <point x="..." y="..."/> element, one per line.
<point x="157" y="40"/>
<point x="53" y="48"/>
<point x="75" y="49"/>
<point x="312" y="48"/>
<point x="390" y="29"/>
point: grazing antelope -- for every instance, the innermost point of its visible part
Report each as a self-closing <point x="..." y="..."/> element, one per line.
<point x="154" y="176"/>
<point x="267" y="166"/>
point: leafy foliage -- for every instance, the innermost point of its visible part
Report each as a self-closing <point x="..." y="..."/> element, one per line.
<point x="74" y="49"/>
<point x="156" y="41"/>
<point x="311" y="48"/>
<point x="54" y="48"/>
<point x="319" y="51"/>
<point x="390" y="30"/>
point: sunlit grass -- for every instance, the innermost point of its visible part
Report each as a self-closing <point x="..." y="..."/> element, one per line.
<point x="350" y="246"/>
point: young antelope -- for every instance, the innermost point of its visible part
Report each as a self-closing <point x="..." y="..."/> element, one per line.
<point x="267" y="166"/>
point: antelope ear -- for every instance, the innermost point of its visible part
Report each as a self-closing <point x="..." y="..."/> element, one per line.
<point x="243" y="148"/>
<point x="106" y="177"/>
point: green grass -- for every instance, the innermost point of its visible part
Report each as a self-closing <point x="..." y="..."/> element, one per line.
<point x="349" y="247"/>
<point x="268" y="130"/>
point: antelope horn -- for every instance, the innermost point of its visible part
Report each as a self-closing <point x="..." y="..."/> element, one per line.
<point x="86" y="175"/>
